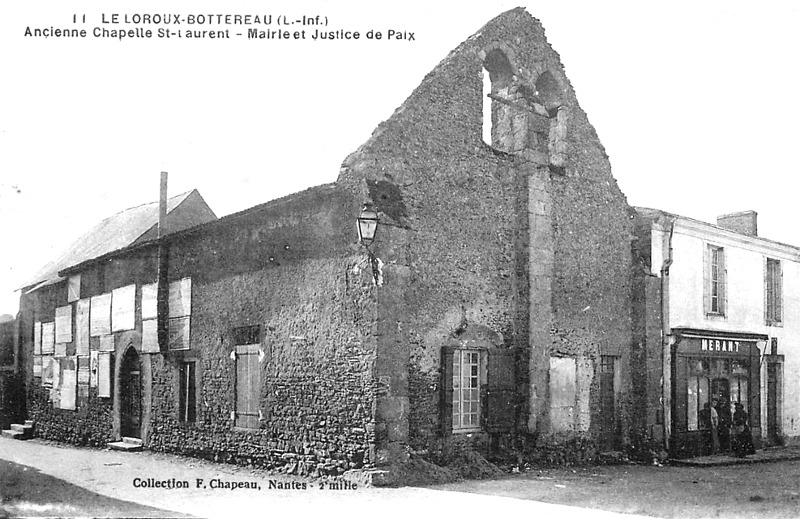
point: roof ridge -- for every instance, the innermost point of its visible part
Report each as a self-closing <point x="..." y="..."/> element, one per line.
<point x="184" y="194"/>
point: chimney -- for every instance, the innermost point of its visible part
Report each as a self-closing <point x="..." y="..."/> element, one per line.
<point x="744" y="222"/>
<point x="162" y="286"/>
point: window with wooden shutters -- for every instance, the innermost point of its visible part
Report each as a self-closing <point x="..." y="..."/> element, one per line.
<point x="774" y="292"/>
<point x="248" y="376"/>
<point x="478" y="390"/>
<point x="500" y="401"/>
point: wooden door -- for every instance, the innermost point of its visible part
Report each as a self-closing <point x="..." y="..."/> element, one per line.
<point x="608" y="419"/>
<point x="773" y="428"/>
<point x="131" y="395"/>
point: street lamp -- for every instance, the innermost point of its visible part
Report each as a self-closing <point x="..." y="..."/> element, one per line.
<point x="367" y="224"/>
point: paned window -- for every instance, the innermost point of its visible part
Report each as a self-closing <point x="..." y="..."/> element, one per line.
<point x="715" y="280"/>
<point x="478" y="389"/>
<point x="466" y="389"/>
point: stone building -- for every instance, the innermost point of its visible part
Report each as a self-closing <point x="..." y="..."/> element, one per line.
<point x="490" y="313"/>
<point x="725" y="302"/>
<point x="504" y="319"/>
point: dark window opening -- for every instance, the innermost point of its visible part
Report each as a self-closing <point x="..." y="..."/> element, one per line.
<point x="247" y="335"/>
<point x="188" y="400"/>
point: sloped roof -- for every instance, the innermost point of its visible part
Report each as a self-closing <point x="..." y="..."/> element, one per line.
<point x="123" y="229"/>
<point x="652" y="214"/>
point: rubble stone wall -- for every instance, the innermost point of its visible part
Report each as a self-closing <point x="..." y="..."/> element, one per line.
<point x="460" y="240"/>
<point x="291" y="271"/>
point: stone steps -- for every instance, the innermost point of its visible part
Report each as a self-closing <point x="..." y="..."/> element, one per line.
<point x="19" y="431"/>
<point x="127" y="444"/>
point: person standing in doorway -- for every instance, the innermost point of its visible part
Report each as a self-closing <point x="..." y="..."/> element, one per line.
<point x="723" y="409"/>
<point x="742" y="437"/>
<point x="710" y="412"/>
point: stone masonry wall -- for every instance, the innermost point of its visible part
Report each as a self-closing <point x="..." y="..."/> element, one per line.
<point x="458" y="239"/>
<point x="92" y="422"/>
<point x="288" y="268"/>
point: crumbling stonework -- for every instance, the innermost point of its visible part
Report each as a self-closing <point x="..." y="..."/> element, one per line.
<point x="287" y="267"/>
<point x="502" y="258"/>
<point x="528" y="235"/>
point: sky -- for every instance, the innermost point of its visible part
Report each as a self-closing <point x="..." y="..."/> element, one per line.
<point x="696" y="103"/>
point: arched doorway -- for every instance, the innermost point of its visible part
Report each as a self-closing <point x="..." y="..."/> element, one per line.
<point x="130" y="380"/>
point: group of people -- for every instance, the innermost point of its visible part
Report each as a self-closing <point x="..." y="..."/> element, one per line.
<point x="726" y="432"/>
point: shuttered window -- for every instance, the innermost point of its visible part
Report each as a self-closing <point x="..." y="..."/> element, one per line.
<point x="248" y="376"/>
<point x="478" y="390"/>
<point x="774" y="292"/>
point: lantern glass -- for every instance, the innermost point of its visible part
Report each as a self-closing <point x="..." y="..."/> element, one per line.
<point x="367" y="225"/>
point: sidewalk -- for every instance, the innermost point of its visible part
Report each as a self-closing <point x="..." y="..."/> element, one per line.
<point x="767" y="455"/>
<point x="121" y="475"/>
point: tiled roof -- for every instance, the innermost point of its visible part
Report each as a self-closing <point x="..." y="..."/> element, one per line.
<point x="123" y="229"/>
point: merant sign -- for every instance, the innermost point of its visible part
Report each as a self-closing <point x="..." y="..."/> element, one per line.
<point x="719" y="345"/>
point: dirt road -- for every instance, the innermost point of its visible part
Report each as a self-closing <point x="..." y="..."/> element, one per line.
<point x="761" y="490"/>
<point x="214" y="490"/>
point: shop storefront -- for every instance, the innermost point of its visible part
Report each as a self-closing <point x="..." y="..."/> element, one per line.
<point x="719" y="370"/>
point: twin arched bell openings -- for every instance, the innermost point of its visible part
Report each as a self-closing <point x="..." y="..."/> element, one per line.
<point x="518" y="113"/>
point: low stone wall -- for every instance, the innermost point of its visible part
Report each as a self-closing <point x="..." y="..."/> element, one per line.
<point x="90" y="424"/>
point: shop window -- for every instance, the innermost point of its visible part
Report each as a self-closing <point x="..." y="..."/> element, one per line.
<point x="247" y="341"/>
<point x="739" y="395"/>
<point x="187" y="411"/>
<point x="774" y="292"/>
<point x="697" y="398"/>
<point x="715" y="292"/>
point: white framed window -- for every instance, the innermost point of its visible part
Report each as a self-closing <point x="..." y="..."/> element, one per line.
<point x="715" y="281"/>
<point x="466" y="390"/>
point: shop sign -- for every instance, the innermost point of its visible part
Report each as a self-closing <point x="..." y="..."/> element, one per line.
<point x="723" y="345"/>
